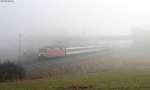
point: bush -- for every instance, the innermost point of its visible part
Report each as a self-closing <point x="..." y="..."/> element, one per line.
<point x="10" y="72"/>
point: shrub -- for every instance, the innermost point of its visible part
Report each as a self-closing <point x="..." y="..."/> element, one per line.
<point x="10" y="71"/>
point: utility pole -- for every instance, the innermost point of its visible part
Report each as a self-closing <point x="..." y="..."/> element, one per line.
<point x="19" y="47"/>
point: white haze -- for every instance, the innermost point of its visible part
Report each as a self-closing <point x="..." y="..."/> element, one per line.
<point x="73" y="17"/>
<point x="44" y="18"/>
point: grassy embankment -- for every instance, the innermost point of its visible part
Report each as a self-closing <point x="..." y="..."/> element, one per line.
<point x="110" y="80"/>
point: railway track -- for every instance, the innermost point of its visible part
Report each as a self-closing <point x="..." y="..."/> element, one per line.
<point x="74" y="56"/>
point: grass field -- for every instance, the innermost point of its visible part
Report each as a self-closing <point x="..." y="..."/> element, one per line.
<point x="109" y="80"/>
<point x="113" y="71"/>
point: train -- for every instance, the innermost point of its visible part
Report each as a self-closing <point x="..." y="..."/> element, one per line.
<point x="51" y="52"/>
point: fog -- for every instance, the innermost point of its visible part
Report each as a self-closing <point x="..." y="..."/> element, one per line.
<point x="72" y="17"/>
<point x="75" y="17"/>
<point x="112" y="24"/>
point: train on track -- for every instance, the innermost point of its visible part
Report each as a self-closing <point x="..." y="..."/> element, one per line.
<point x="50" y="52"/>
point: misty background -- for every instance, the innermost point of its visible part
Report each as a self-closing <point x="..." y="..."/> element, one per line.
<point x="45" y="22"/>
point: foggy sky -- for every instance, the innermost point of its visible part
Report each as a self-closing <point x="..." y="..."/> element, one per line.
<point x="40" y="18"/>
<point x="73" y="17"/>
<point x="45" y="18"/>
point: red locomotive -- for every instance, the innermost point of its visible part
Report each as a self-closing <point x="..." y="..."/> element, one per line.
<point x="52" y="52"/>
